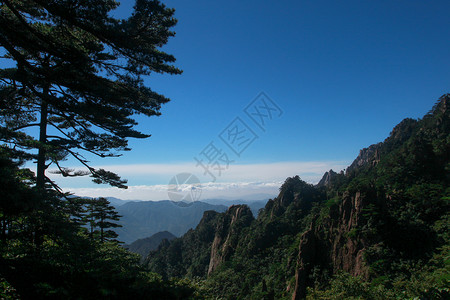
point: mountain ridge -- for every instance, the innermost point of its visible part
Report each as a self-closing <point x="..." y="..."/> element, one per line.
<point x="142" y="219"/>
<point x="382" y="216"/>
<point x="145" y="245"/>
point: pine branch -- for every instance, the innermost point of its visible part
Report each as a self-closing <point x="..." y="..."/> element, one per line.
<point x="25" y="126"/>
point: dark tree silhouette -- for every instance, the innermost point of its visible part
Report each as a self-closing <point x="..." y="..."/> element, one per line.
<point x="76" y="76"/>
<point x="101" y="215"/>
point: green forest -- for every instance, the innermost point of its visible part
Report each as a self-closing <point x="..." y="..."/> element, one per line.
<point x="72" y="86"/>
<point x="378" y="230"/>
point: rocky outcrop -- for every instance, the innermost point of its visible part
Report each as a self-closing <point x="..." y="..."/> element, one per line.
<point x="227" y="234"/>
<point x="327" y="179"/>
<point x="307" y="258"/>
<point x="347" y="246"/>
<point x="367" y="156"/>
<point x="334" y="244"/>
<point x="339" y="241"/>
<point x="402" y="131"/>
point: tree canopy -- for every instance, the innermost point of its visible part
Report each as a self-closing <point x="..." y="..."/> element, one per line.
<point x="71" y="84"/>
<point x="76" y="75"/>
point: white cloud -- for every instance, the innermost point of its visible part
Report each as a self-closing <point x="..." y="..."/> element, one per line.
<point x="161" y="173"/>
<point x="224" y="190"/>
<point x="238" y="181"/>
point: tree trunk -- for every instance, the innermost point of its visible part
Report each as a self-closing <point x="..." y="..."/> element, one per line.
<point x="40" y="176"/>
<point x="4" y="224"/>
<point x="101" y="230"/>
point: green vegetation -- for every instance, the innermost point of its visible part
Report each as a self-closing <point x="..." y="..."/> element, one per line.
<point x="73" y="86"/>
<point x="379" y="231"/>
<point x="46" y="252"/>
<point x="76" y="81"/>
<point x="142" y="219"/>
<point x="144" y="246"/>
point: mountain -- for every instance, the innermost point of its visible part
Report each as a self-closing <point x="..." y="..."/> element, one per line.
<point x="116" y="202"/>
<point x="327" y="178"/>
<point x="142" y="219"/>
<point x="144" y="246"/>
<point x="378" y="231"/>
<point x="254" y="205"/>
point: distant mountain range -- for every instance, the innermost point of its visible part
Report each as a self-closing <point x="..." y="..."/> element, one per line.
<point x="254" y="205"/>
<point x="116" y="202"/>
<point x="142" y="219"/>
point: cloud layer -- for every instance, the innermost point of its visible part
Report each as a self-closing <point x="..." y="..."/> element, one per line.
<point x="242" y="190"/>
<point x="150" y="181"/>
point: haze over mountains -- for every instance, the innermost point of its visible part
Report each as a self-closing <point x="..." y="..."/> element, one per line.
<point x="142" y="219"/>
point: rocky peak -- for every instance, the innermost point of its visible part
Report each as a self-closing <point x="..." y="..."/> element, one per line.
<point x="208" y="215"/>
<point x="442" y="105"/>
<point x="401" y="133"/>
<point x="402" y="128"/>
<point x="327" y="178"/>
<point x="440" y="114"/>
<point x="367" y="155"/>
<point x="227" y="234"/>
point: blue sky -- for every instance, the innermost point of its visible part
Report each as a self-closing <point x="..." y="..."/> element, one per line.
<point x="343" y="74"/>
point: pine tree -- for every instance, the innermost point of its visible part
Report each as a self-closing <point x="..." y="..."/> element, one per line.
<point x="76" y="76"/>
<point x="101" y="215"/>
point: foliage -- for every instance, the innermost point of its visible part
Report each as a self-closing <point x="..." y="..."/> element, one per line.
<point x="100" y="215"/>
<point x="47" y="253"/>
<point x="187" y="256"/>
<point x="76" y="76"/>
<point x="74" y="85"/>
<point x="399" y="218"/>
<point x="424" y="281"/>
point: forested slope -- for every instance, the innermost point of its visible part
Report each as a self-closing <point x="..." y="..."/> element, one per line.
<point x="379" y="230"/>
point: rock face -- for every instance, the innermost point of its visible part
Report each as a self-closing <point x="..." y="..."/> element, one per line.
<point x="340" y="248"/>
<point x="227" y="234"/>
<point x="367" y="155"/>
<point x="347" y="246"/>
<point x="403" y="130"/>
<point x="327" y="178"/>
<point x="339" y="241"/>
<point x="307" y="258"/>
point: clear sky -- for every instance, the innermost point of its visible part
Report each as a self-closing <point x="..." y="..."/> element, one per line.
<point x="337" y="76"/>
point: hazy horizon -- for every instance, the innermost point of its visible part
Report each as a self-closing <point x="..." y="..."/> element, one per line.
<point x="283" y="89"/>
